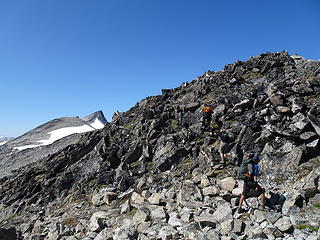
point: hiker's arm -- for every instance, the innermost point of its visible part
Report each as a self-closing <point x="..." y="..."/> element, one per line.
<point x="255" y="178"/>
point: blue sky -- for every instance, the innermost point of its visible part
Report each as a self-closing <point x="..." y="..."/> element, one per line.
<point x="73" y="57"/>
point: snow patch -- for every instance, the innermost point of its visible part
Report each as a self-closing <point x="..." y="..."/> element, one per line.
<point x="2" y="143"/>
<point x="26" y="147"/>
<point x="97" y="124"/>
<point x="64" y="132"/>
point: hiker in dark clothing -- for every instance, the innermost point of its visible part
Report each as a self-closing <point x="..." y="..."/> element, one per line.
<point x="224" y="145"/>
<point x="206" y="117"/>
<point x="249" y="170"/>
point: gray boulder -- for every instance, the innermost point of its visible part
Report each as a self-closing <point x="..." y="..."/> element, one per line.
<point x="238" y="226"/>
<point x="105" y="234"/>
<point x="311" y="183"/>
<point x="294" y="201"/>
<point x="98" y="221"/>
<point x="283" y="224"/>
<point x="168" y="232"/>
<point x="315" y="122"/>
<point x="223" y="211"/>
<point x="189" y="195"/>
<point x="227" y="184"/>
<point x="273" y="231"/>
<point x="142" y="215"/>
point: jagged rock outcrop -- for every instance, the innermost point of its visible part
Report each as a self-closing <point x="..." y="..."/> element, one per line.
<point x="152" y="173"/>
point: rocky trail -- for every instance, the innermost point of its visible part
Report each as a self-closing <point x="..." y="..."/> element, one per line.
<point x="152" y="173"/>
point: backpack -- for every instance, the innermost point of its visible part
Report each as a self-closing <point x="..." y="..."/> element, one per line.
<point x="224" y="137"/>
<point x="207" y="110"/>
<point x="244" y="169"/>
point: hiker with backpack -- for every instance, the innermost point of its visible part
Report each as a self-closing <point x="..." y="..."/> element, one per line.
<point x="224" y="145"/>
<point x="249" y="171"/>
<point x="206" y="117"/>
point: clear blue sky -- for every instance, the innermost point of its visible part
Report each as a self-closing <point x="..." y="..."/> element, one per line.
<point x="73" y="57"/>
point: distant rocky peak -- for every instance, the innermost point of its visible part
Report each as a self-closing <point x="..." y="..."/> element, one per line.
<point x="96" y="119"/>
<point x="3" y="139"/>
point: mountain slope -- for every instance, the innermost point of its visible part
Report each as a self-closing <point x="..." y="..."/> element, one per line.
<point x="3" y="140"/>
<point x="46" y="139"/>
<point x="152" y="173"/>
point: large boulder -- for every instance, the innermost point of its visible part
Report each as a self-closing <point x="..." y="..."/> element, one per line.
<point x="223" y="211"/>
<point x="191" y="107"/>
<point x="280" y="162"/>
<point x="168" y="232"/>
<point x="210" y="191"/>
<point x="98" y="221"/>
<point x="283" y="224"/>
<point x="189" y="196"/>
<point x="311" y="183"/>
<point x="294" y="201"/>
<point x="315" y="122"/>
<point x="227" y="184"/>
<point x="167" y="153"/>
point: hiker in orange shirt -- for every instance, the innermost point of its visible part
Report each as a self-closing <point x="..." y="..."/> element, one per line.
<point x="206" y="117"/>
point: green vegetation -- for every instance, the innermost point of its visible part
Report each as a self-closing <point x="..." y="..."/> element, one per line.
<point x="185" y="164"/>
<point x="200" y="140"/>
<point x="252" y="75"/>
<point x="214" y="125"/>
<point x="101" y="186"/>
<point x="135" y="164"/>
<point x="316" y="205"/>
<point x="308" y="226"/>
<point x="207" y="101"/>
<point x="133" y="211"/>
<point x="174" y="124"/>
<point x="114" y="135"/>
<point x="150" y="164"/>
<point x="8" y="217"/>
<point x="186" y="161"/>
<point x="220" y="174"/>
<point x="39" y="178"/>
<point x="128" y="126"/>
<point x="279" y="180"/>
<point x="308" y="98"/>
<point x="315" y="161"/>
<point x="70" y="222"/>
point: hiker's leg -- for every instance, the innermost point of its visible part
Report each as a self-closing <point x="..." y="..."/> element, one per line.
<point x="206" y="124"/>
<point x="209" y="121"/>
<point x="222" y="152"/>
<point x="241" y="201"/>
<point x="222" y="157"/>
<point x="262" y="199"/>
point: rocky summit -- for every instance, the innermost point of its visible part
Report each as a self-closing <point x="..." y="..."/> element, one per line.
<point x="153" y="173"/>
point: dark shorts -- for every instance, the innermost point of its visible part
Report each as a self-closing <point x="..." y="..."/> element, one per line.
<point x="251" y="189"/>
<point x="207" y="116"/>
<point x="224" y="147"/>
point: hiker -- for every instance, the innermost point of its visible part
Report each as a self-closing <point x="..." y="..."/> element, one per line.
<point x="206" y="117"/>
<point x="249" y="171"/>
<point x="224" y="145"/>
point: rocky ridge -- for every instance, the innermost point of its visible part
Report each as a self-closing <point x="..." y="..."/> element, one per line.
<point x="153" y="174"/>
<point x="32" y="146"/>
